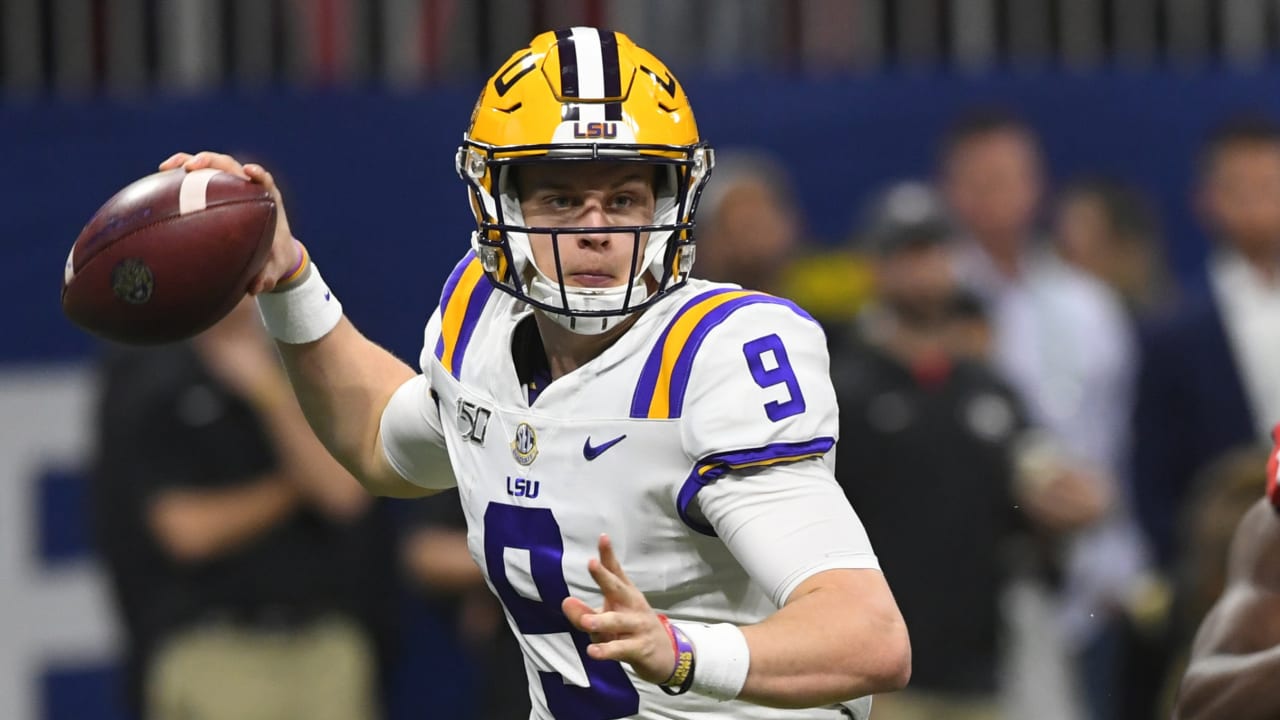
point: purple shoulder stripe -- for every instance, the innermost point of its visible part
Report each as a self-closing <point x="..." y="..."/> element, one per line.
<point x="450" y="286"/>
<point x="465" y="295"/>
<point x="681" y="369"/>
<point x="649" y="374"/>
<point x="713" y="467"/>
<point x="684" y="363"/>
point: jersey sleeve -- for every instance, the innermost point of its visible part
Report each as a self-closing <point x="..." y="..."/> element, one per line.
<point x="787" y="523"/>
<point x="758" y="388"/>
<point x="411" y="430"/>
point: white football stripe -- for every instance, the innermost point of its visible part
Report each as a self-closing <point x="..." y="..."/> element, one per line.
<point x="192" y="194"/>
<point x="586" y="42"/>
<point x="69" y="270"/>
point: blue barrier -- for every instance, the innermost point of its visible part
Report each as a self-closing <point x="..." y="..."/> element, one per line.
<point x="370" y="183"/>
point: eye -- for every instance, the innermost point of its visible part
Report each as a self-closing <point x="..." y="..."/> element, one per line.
<point x="624" y="201"/>
<point x="559" y="202"/>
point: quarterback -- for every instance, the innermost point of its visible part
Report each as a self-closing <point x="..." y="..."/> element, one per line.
<point x="644" y="460"/>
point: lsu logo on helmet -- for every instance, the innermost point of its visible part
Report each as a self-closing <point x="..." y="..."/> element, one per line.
<point x="583" y="94"/>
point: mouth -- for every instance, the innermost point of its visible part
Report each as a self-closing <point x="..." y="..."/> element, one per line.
<point x="591" y="279"/>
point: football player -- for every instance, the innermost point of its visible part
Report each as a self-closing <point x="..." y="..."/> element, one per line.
<point x="1236" y="653"/>
<point x="582" y="385"/>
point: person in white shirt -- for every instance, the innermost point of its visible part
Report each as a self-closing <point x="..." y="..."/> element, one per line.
<point x="1207" y="383"/>
<point x="1062" y="340"/>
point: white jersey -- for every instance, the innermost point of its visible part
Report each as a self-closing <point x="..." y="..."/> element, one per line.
<point x="713" y="379"/>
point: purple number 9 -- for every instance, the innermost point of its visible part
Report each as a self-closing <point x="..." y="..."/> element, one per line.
<point x="609" y="693"/>
<point x="781" y="373"/>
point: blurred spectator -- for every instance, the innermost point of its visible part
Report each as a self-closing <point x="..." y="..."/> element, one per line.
<point x="438" y="560"/>
<point x="748" y="223"/>
<point x="1062" y="340"/>
<point x="1109" y="230"/>
<point x="751" y="232"/>
<point x="932" y="436"/>
<point x="1208" y="382"/>
<point x="249" y="568"/>
<point x="969" y="327"/>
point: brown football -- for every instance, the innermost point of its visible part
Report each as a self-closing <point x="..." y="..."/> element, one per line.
<point x="168" y="256"/>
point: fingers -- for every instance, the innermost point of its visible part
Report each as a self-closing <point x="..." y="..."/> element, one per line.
<point x="205" y="159"/>
<point x="610" y="559"/>
<point x="618" y="591"/>
<point x="629" y="650"/>
<point x="626" y="629"/>
<point x="175" y="161"/>
<point x="1066" y="503"/>
<point x="576" y="611"/>
<point x="613" y="582"/>
<point x="259" y="174"/>
<point x="631" y="636"/>
<point x="616" y="623"/>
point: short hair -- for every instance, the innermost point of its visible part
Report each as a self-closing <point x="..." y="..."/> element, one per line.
<point x="1250" y="128"/>
<point x="982" y="122"/>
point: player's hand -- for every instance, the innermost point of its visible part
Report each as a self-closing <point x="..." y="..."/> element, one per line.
<point x="284" y="251"/>
<point x="626" y="629"/>
<point x="1069" y="500"/>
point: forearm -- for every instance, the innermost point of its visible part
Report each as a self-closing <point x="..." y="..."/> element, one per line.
<point x="343" y="382"/>
<point x="816" y="651"/>
<point x="1241" y="687"/>
<point x="307" y="464"/>
<point x="195" y="525"/>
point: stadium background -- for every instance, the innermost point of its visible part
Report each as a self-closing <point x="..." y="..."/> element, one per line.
<point x="358" y="107"/>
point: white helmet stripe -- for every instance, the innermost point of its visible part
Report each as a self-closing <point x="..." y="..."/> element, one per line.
<point x="586" y="41"/>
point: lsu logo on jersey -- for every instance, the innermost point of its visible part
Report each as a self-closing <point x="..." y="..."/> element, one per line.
<point x="523" y="487"/>
<point x="525" y="445"/>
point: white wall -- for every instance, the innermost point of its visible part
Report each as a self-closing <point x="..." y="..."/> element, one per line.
<point x="50" y="613"/>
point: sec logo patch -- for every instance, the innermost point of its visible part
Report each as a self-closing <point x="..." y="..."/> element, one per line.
<point x="525" y="445"/>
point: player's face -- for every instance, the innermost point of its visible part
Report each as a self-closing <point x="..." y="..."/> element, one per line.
<point x="1242" y="197"/>
<point x="918" y="283"/>
<point x="591" y="195"/>
<point x="993" y="185"/>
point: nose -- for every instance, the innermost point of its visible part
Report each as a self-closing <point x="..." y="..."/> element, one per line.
<point x="594" y="216"/>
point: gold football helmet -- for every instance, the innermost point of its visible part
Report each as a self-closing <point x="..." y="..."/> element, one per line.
<point x="578" y="95"/>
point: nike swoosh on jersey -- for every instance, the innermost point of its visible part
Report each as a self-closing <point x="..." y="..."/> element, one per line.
<point x="591" y="452"/>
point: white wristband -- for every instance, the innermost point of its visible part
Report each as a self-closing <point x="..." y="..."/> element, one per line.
<point x="302" y="314"/>
<point x="721" y="659"/>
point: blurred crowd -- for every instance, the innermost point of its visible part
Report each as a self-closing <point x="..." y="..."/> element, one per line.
<point x="1048" y="438"/>
<point x="1049" y="435"/>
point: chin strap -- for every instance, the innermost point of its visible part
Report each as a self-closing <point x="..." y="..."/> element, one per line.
<point x="545" y="290"/>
